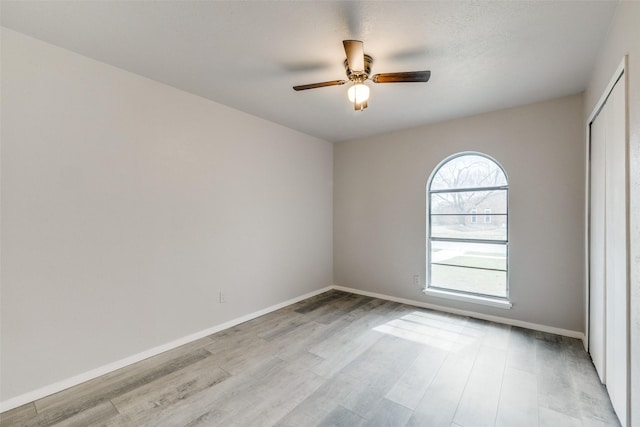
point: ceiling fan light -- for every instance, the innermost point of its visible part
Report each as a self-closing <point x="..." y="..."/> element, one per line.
<point x="358" y="93"/>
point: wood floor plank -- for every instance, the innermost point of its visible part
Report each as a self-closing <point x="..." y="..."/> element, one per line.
<point x="317" y="406"/>
<point x="479" y="402"/>
<point x="263" y="401"/>
<point x="270" y="322"/>
<point x="497" y="335"/>
<point x="551" y="418"/>
<point x="320" y="302"/>
<point x="348" y="343"/>
<point x="593" y="400"/>
<point x="342" y="307"/>
<point x="413" y="327"/>
<point x="68" y="403"/>
<point x="440" y="401"/>
<point x="574" y="347"/>
<point x="518" y="399"/>
<point x="413" y="384"/>
<point x="388" y="356"/>
<point x="95" y="416"/>
<point x="521" y="352"/>
<point x="212" y="404"/>
<point x="178" y="386"/>
<point x="440" y="322"/>
<point x="370" y="306"/>
<point x="345" y="353"/>
<point x="236" y="360"/>
<point x="305" y="302"/>
<point x="278" y="398"/>
<point x="282" y="329"/>
<point x="593" y="422"/>
<point x="302" y="339"/>
<point x="388" y="414"/>
<point x="18" y="415"/>
<point x="377" y="371"/>
<point x="341" y="417"/>
<point x="555" y="386"/>
<point x="358" y="331"/>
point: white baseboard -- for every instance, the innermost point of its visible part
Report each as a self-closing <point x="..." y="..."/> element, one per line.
<point x="496" y="319"/>
<point x="102" y="370"/>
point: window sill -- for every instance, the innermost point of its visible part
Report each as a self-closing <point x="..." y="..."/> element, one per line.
<point x="476" y="299"/>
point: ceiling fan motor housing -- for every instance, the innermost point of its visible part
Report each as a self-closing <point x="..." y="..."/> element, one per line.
<point x="362" y="76"/>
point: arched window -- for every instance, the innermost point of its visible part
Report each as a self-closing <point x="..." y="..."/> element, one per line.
<point x="467" y="223"/>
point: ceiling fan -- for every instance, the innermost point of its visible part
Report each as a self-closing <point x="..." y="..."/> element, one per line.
<point x="358" y="66"/>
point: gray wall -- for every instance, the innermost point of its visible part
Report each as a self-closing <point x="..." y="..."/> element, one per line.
<point x="127" y="205"/>
<point x="379" y="207"/>
<point x="624" y="39"/>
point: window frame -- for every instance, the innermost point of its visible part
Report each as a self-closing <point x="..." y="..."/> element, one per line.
<point x="456" y="294"/>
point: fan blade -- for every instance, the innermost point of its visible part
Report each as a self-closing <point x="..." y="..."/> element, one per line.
<point x="323" y="84"/>
<point x="406" y="77"/>
<point x="355" y="55"/>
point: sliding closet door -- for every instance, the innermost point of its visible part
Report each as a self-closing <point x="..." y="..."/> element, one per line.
<point x="616" y="250"/>
<point x="608" y="249"/>
<point x="597" y="248"/>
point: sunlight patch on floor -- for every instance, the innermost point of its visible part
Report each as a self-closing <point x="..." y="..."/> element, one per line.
<point x="439" y="333"/>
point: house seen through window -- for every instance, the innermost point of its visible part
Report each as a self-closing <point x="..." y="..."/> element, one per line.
<point x="467" y="254"/>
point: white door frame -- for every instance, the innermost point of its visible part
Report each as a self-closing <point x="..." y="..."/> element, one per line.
<point x="587" y="207"/>
<point x="620" y="73"/>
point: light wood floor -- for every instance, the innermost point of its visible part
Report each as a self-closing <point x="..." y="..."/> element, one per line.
<point x="339" y="359"/>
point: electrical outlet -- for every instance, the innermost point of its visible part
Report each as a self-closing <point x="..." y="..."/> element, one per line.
<point x="416" y="279"/>
<point x="223" y="297"/>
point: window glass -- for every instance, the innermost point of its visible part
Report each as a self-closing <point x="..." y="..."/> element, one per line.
<point x="468" y="171"/>
<point x="467" y="225"/>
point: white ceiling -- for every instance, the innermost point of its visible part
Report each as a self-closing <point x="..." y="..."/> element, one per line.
<point x="483" y="55"/>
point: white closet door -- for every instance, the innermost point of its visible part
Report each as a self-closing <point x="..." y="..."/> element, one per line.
<point x="608" y="249"/>
<point x="616" y="250"/>
<point x="597" y="247"/>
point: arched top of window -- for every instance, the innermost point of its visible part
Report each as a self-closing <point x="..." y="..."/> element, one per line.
<point x="466" y="171"/>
